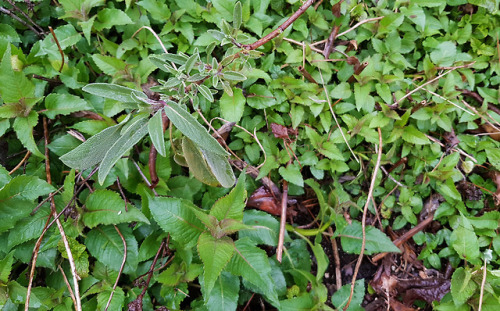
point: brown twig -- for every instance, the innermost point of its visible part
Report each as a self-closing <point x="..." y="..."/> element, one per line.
<point x="28" y="153"/>
<point x="351" y="29"/>
<point x="144" y="177"/>
<point x="121" y="267"/>
<point x="67" y="285"/>
<point x="336" y="258"/>
<point x="306" y="74"/>
<point x="284" y="205"/>
<point x="153" y="154"/>
<point x="40" y="29"/>
<point x="363" y="221"/>
<point x="483" y="283"/>
<point x="59" y="47"/>
<point x="14" y="16"/>
<point x="122" y="193"/>
<point x="78" y="306"/>
<point x="280" y="28"/>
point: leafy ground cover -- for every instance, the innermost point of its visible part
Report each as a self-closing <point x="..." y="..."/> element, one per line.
<point x="222" y="155"/>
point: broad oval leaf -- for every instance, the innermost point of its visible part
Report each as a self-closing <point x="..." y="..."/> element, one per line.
<point x="220" y="167"/>
<point x="197" y="164"/>
<point x="64" y="104"/>
<point x="108" y="208"/>
<point x="376" y="240"/>
<point x="105" y="244"/>
<point x="224" y="295"/>
<point x="190" y="127"/>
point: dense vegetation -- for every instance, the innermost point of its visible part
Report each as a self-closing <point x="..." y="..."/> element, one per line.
<point x="214" y="155"/>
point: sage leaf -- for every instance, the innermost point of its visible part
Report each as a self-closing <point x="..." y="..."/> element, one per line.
<point x="155" y="129"/>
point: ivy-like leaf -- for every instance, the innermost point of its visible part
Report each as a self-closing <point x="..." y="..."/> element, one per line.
<point x="215" y="254"/>
<point x="188" y="125"/>
<point x="176" y="217"/>
<point x="108" y="208"/>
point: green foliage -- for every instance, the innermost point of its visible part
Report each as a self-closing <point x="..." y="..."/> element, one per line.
<point x="109" y="91"/>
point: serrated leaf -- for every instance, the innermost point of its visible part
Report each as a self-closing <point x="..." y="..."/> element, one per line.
<point x="493" y="155"/>
<point x="231" y="205"/>
<point x="176" y="216"/>
<point x="224" y="295"/>
<point x="14" y="84"/>
<point x="292" y="174"/>
<point x="111" y="17"/>
<point x="105" y="244"/>
<point x="261" y="97"/>
<point x="64" y="104"/>
<point x="251" y="263"/>
<point x="6" y="267"/>
<point x="28" y="228"/>
<point x="117" y="302"/>
<point x="92" y="151"/>
<point x="190" y="127"/>
<point x="265" y="228"/>
<point x="113" y="91"/>
<point x="232" y="107"/>
<point x="464" y="240"/>
<point x="108" y="208"/>
<point x="233" y="76"/>
<point x="462" y="286"/>
<point x="340" y="297"/>
<point x="23" y="126"/>
<point x="155" y="129"/>
<point x="414" y="136"/>
<point x="376" y="240"/>
<point x="215" y="254"/>
<point x="205" y="91"/>
<point x="108" y="64"/>
<point x="26" y="188"/>
<point x="129" y="136"/>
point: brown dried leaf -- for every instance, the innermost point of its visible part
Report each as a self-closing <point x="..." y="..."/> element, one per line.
<point x="279" y="131"/>
<point x="264" y="200"/>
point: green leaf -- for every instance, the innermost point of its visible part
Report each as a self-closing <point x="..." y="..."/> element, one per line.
<point x="23" y="126"/>
<point x="117" y="302"/>
<point x="158" y="9"/>
<point x="237" y="15"/>
<point x="414" y="136"/>
<point x="233" y="76"/>
<point x="197" y="164"/>
<point x="66" y="35"/>
<point x="26" y="188"/>
<point x="220" y="167"/>
<point x="321" y="260"/>
<point x="108" y="208"/>
<point x="231" y="205"/>
<point x="132" y="132"/>
<point x="111" y="17"/>
<point x="28" y="228"/>
<point x="92" y="151"/>
<point x="155" y="129"/>
<point x="6" y="267"/>
<point x="493" y="155"/>
<point x="364" y="101"/>
<point x="190" y="127"/>
<point x="340" y="297"/>
<point x="106" y="245"/>
<point x="224" y="295"/>
<point x="64" y="104"/>
<point x="205" y="91"/>
<point x="376" y="240"/>
<point x="261" y="97"/>
<point x="464" y="240"/>
<point x="108" y="64"/>
<point x="225" y="8"/>
<point x="444" y="54"/>
<point x="265" y="228"/>
<point x="462" y="286"/>
<point x="251" y="263"/>
<point x="232" y="107"/>
<point x="15" y="85"/>
<point x="215" y="254"/>
<point x="113" y="91"/>
<point x="176" y="216"/>
<point x="292" y="174"/>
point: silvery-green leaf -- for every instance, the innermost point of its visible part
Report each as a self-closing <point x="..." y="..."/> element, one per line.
<point x="113" y="91"/>
<point x="205" y="91"/>
<point x="155" y="129"/>
<point x="190" y="127"/>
